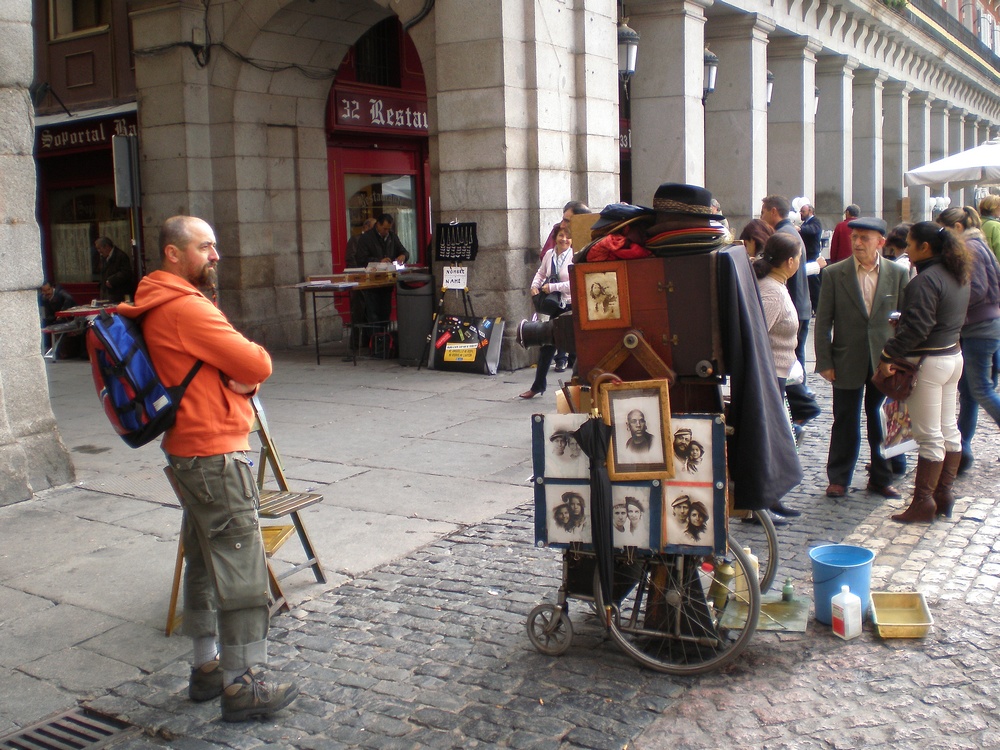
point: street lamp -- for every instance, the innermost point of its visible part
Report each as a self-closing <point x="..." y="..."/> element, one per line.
<point x="628" y="50"/>
<point x="770" y="86"/>
<point x="711" y="72"/>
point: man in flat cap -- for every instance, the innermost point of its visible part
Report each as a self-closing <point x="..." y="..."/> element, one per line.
<point x="852" y="325"/>
<point x="682" y="443"/>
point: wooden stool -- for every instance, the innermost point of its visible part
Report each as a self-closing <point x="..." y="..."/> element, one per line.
<point x="274" y="504"/>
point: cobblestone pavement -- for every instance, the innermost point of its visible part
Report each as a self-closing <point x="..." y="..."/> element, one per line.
<point x="430" y="651"/>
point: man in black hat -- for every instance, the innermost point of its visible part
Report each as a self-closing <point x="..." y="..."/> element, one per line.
<point x="852" y="325"/>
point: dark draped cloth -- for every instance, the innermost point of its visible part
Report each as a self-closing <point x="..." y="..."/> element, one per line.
<point x="763" y="464"/>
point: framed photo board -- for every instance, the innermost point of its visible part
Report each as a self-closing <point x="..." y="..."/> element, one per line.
<point x="562" y="514"/>
<point x="602" y="295"/>
<point x="639" y="415"/>
<point x="563" y="494"/>
<point x="694" y="499"/>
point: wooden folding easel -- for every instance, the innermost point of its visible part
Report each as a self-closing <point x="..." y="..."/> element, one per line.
<point x="274" y="504"/>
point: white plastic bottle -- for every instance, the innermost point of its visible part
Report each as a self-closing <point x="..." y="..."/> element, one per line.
<point x="740" y="583"/>
<point x="846" y="610"/>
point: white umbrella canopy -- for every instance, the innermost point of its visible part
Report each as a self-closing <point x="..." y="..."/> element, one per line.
<point x="976" y="166"/>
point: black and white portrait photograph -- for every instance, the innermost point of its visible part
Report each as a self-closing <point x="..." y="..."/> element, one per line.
<point x="688" y="515"/>
<point x="603" y="289"/>
<point x="564" y="459"/>
<point x="691" y="443"/>
<point x="630" y="516"/>
<point x="640" y="429"/>
<point x="602" y="296"/>
<point x="567" y="508"/>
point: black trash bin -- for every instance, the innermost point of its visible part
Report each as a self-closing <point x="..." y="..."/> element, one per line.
<point x="414" y="310"/>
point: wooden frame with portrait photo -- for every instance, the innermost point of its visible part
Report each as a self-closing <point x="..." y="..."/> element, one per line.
<point x="639" y="415"/>
<point x="601" y="294"/>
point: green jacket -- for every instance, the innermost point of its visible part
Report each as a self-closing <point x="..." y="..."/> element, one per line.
<point x="991" y="228"/>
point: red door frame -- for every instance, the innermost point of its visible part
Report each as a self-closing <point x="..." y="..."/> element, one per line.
<point x="377" y="156"/>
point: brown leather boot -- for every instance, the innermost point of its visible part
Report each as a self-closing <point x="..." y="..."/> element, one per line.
<point x="944" y="498"/>
<point x="922" y="508"/>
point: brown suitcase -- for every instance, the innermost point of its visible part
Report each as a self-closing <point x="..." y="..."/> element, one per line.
<point x="673" y="303"/>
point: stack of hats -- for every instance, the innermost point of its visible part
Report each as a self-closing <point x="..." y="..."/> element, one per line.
<point x="685" y="221"/>
<point x="618" y="234"/>
<point x="616" y="217"/>
<point x="681" y="222"/>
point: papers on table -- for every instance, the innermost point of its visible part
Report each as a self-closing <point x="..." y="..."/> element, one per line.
<point x="324" y="284"/>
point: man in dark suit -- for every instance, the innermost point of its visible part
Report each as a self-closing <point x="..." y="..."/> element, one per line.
<point x="852" y="325"/>
<point x="117" y="281"/>
<point x="379" y="245"/>
<point x="811" y="231"/>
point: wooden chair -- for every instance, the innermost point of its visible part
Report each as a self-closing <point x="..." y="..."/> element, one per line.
<point x="274" y="504"/>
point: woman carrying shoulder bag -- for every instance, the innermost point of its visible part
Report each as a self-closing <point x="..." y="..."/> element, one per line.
<point x="933" y="312"/>
<point x="551" y="278"/>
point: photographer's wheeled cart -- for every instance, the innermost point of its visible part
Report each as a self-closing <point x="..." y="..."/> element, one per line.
<point x="675" y="590"/>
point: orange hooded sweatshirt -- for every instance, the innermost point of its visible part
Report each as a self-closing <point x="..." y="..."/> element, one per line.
<point x="181" y="326"/>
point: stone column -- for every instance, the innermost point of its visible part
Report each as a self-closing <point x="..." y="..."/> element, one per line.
<point x="939" y="129"/>
<point x="668" y="119"/>
<point x="867" y="103"/>
<point x="737" y="114"/>
<point x="791" y="117"/>
<point x="543" y="130"/>
<point x="971" y="141"/>
<point x="32" y="455"/>
<point x="956" y="144"/>
<point x="920" y="151"/>
<point x="834" y="137"/>
<point x="895" y="148"/>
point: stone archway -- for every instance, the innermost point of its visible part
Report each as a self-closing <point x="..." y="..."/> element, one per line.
<point x="255" y="115"/>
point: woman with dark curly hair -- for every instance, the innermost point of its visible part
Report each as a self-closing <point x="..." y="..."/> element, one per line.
<point x="933" y="312"/>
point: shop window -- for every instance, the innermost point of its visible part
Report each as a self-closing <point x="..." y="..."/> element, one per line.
<point x="377" y="54"/>
<point x="371" y="195"/>
<point x="77" y="217"/>
<point x="68" y="17"/>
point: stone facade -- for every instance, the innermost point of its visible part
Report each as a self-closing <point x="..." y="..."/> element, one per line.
<point x="32" y="456"/>
<point x="523" y="117"/>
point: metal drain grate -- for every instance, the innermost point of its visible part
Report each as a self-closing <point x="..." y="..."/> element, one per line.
<point x="73" y="730"/>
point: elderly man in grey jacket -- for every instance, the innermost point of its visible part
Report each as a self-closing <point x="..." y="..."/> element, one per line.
<point x="856" y="298"/>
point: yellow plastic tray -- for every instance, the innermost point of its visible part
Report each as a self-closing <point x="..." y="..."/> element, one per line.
<point x="901" y="614"/>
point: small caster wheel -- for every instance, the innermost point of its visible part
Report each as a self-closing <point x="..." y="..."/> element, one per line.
<point x="549" y="629"/>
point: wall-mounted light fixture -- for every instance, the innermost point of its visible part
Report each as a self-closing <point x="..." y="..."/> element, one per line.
<point x="628" y="50"/>
<point x="770" y="86"/>
<point x="711" y="73"/>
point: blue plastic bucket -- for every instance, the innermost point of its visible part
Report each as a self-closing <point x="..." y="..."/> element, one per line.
<point x="837" y="565"/>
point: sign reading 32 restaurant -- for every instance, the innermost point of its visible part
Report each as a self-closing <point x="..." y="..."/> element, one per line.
<point x="360" y="109"/>
<point x="85" y="135"/>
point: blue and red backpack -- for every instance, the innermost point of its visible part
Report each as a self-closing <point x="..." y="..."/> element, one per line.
<point x="138" y="404"/>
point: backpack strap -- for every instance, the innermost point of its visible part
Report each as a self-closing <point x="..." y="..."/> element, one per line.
<point x="179" y="390"/>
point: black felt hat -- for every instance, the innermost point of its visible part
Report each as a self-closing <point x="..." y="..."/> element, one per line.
<point x="618" y="213"/>
<point x="687" y="200"/>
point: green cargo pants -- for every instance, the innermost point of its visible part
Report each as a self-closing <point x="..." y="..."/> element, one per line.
<point x="225" y="572"/>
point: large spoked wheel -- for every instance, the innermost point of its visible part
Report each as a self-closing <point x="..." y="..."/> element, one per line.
<point x="549" y="629"/>
<point x="684" y="614"/>
<point x="767" y="556"/>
